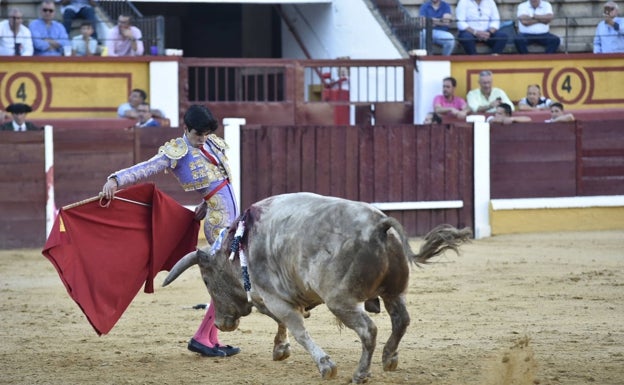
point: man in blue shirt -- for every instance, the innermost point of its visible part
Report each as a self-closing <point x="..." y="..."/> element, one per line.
<point x="440" y="14"/>
<point x="610" y="32"/>
<point x="49" y="36"/>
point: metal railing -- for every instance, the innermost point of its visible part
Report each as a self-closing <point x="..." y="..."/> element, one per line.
<point x="152" y="27"/>
<point x="238" y="80"/>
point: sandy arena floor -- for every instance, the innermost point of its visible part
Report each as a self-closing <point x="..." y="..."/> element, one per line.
<point x="514" y="309"/>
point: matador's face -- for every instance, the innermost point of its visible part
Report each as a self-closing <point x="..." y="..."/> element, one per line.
<point x="197" y="139"/>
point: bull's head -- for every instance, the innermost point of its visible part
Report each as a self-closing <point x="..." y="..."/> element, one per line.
<point x="224" y="283"/>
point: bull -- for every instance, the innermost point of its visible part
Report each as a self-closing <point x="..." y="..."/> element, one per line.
<point x="303" y="250"/>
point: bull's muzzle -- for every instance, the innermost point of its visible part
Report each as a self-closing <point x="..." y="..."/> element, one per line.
<point x="227" y="324"/>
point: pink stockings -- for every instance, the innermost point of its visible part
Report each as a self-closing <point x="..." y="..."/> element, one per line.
<point x="208" y="334"/>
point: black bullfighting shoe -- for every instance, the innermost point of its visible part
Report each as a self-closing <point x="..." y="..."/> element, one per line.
<point x="204" y="350"/>
<point x="228" y="349"/>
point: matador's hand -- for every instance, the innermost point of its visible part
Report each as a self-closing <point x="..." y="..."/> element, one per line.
<point x="201" y="210"/>
<point x="109" y="189"/>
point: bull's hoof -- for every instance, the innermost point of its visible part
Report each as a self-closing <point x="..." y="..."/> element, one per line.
<point x="327" y="368"/>
<point x="281" y="352"/>
<point x="390" y="362"/>
<point x="360" y="378"/>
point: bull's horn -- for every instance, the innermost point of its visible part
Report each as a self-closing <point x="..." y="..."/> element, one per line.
<point x="187" y="261"/>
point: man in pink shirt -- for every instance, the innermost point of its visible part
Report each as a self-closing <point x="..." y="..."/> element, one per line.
<point x="448" y="104"/>
<point x="124" y="39"/>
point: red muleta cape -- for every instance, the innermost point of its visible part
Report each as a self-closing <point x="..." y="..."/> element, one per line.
<point x="104" y="255"/>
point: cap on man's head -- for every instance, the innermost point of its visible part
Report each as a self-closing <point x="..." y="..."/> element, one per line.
<point x="19" y="108"/>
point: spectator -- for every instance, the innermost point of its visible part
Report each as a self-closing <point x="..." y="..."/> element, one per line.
<point x="485" y="98"/>
<point x="124" y="39"/>
<point x="479" y="21"/>
<point x="440" y="14"/>
<point x="533" y="19"/>
<point x="85" y="44"/>
<point x="610" y="31"/>
<point x="15" y="38"/>
<point x="18" y="123"/>
<point x="145" y="118"/>
<point x="49" y="36"/>
<point x="534" y="100"/>
<point x="449" y="104"/>
<point x="129" y="109"/>
<point x="78" y="9"/>
<point x="503" y="115"/>
<point x="558" y="115"/>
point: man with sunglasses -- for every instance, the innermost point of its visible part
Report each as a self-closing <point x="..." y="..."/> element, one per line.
<point x="49" y="36"/>
<point x="479" y="21"/>
<point x="15" y="38"/>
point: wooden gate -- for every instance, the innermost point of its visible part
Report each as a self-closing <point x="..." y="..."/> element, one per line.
<point x="377" y="164"/>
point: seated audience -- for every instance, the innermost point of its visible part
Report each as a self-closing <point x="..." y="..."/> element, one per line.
<point x="145" y="118"/>
<point x="129" y="109"/>
<point x="15" y="38"/>
<point x="439" y="12"/>
<point x="534" y="100"/>
<point x="18" y="122"/>
<point x="558" y="115"/>
<point x="124" y="39"/>
<point x="486" y="98"/>
<point x="534" y="17"/>
<point x="78" y="9"/>
<point x="448" y="104"/>
<point x="85" y="44"/>
<point x="609" y="36"/>
<point x="479" y="21"/>
<point x="49" y="36"/>
<point x="503" y="115"/>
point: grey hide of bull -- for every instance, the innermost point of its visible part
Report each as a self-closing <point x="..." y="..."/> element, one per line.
<point x="305" y="249"/>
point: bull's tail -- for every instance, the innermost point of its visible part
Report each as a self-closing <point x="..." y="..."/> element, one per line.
<point x="440" y="239"/>
<point x="184" y="263"/>
<point x="437" y="241"/>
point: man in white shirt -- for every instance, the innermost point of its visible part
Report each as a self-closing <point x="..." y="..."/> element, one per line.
<point x="486" y="98"/>
<point x="533" y="19"/>
<point x="479" y="21"/>
<point x="15" y="38"/>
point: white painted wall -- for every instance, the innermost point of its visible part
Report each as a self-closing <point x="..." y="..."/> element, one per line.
<point x="164" y="90"/>
<point x="340" y="28"/>
<point x="428" y="84"/>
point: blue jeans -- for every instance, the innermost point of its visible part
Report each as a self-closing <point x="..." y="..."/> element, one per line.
<point x="548" y="40"/>
<point x="87" y="13"/>
<point x="496" y="42"/>
<point x="440" y="37"/>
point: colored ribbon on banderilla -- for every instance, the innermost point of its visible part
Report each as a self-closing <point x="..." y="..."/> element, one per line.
<point x="236" y="248"/>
